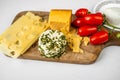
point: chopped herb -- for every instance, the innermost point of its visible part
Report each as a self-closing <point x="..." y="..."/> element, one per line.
<point x="62" y="37"/>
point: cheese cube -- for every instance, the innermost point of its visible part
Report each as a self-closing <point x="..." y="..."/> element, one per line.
<point x="21" y="35"/>
<point x="59" y="19"/>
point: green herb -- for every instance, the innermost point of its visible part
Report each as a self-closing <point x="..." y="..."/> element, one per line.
<point x="42" y="51"/>
<point x="51" y="46"/>
<point x="62" y="37"/>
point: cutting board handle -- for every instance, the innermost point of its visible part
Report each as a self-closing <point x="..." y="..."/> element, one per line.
<point x="113" y="40"/>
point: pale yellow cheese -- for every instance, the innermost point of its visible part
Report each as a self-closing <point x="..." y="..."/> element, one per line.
<point x="74" y="40"/>
<point x="76" y="43"/>
<point x="86" y="40"/>
<point x="70" y="40"/>
<point x="60" y="19"/>
<point x="21" y="35"/>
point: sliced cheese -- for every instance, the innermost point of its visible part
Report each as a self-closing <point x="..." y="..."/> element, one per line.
<point x="86" y="40"/>
<point x="76" y="43"/>
<point x="60" y="19"/>
<point x="21" y="35"/>
<point x="74" y="40"/>
<point x="70" y="40"/>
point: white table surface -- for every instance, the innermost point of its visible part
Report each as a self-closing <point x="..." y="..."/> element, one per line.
<point x="107" y="67"/>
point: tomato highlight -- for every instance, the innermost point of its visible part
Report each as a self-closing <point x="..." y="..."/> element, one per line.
<point x="87" y="30"/>
<point x="78" y="22"/>
<point x="81" y="12"/>
<point x="93" y="19"/>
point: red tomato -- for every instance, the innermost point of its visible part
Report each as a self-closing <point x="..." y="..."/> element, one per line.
<point x="78" y="22"/>
<point x="99" y="37"/>
<point x="87" y="30"/>
<point x="99" y="13"/>
<point x="93" y="19"/>
<point x="81" y="12"/>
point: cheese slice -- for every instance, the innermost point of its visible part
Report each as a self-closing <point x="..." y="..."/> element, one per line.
<point x="21" y="34"/>
<point x="86" y="40"/>
<point x="76" y="43"/>
<point x="74" y="40"/>
<point x="60" y="19"/>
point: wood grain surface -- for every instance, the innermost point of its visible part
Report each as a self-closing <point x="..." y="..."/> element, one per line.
<point x="90" y="54"/>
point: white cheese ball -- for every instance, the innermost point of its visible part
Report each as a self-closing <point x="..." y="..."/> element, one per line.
<point x="52" y="43"/>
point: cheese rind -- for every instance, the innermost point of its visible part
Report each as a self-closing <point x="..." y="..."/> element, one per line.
<point x="21" y="35"/>
<point x="60" y="19"/>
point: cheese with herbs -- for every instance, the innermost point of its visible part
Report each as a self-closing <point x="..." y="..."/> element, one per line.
<point x="52" y="43"/>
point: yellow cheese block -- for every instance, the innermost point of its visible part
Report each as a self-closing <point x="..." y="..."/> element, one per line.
<point x="21" y="34"/>
<point x="60" y="19"/>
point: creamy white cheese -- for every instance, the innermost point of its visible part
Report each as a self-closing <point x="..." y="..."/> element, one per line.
<point x="52" y="43"/>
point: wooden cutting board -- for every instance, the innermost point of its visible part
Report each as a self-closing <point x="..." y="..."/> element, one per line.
<point x="90" y="54"/>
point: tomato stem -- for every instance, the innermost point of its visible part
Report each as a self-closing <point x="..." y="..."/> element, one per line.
<point x="99" y="27"/>
<point x="89" y="12"/>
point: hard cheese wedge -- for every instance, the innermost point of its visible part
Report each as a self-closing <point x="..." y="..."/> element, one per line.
<point x="21" y="34"/>
<point x="60" y="19"/>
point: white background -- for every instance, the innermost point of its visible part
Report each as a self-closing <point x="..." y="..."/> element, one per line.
<point x="107" y="67"/>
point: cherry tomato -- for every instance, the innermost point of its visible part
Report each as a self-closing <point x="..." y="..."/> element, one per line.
<point x="93" y="19"/>
<point x="99" y="37"/>
<point x="87" y="30"/>
<point x="99" y="13"/>
<point x="81" y="12"/>
<point x="78" y="22"/>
